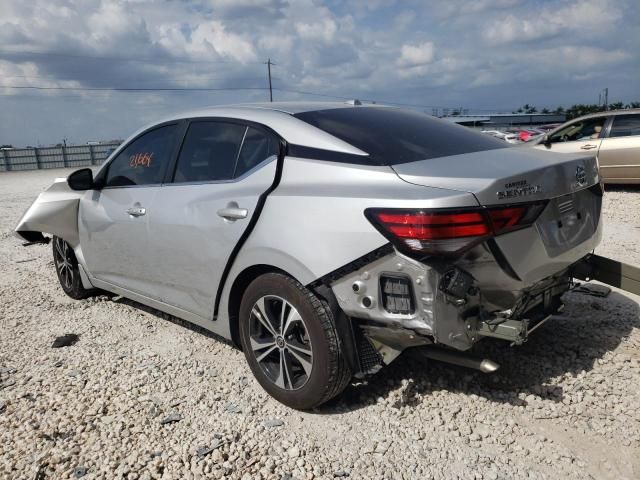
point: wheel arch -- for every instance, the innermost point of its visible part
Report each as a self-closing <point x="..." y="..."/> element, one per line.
<point x="238" y="287"/>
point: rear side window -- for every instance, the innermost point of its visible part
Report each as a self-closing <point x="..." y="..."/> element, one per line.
<point x="256" y="147"/>
<point x="392" y="136"/>
<point x="143" y="161"/>
<point x="625" y="126"/>
<point x="209" y="152"/>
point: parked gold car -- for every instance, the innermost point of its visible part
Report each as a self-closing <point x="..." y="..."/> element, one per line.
<point x="613" y="136"/>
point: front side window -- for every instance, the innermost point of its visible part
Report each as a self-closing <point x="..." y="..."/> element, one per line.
<point x="588" y="129"/>
<point x="143" y="161"/>
<point x="625" y="126"/>
<point x="209" y="152"/>
<point x="256" y="147"/>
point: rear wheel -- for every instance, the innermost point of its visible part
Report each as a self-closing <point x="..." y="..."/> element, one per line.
<point x="68" y="271"/>
<point x="290" y="341"/>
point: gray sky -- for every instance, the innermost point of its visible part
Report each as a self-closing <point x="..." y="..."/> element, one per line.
<point x="482" y="55"/>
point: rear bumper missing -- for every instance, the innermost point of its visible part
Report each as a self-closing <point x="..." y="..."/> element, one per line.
<point x="449" y="305"/>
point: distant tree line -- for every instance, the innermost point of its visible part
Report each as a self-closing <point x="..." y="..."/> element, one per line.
<point x="579" y="109"/>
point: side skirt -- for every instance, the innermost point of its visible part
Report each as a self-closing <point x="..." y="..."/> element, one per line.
<point x="205" y="323"/>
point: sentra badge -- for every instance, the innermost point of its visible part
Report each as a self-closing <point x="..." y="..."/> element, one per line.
<point x="520" y="188"/>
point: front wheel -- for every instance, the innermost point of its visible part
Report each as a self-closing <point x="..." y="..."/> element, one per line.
<point x="68" y="271"/>
<point x="290" y="341"/>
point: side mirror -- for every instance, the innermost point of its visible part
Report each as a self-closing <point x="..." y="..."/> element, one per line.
<point x="546" y="141"/>
<point x="81" y="180"/>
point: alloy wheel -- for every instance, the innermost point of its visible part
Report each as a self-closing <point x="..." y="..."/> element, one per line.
<point x="280" y="342"/>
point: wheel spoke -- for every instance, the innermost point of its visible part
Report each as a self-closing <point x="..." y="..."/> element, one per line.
<point x="300" y="348"/>
<point x="59" y="249"/>
<point x="259" y="311"/>
<point x="306" y="364"/>
<point x="258" y="344"/>
<point x="65" y="276"/>
<point x="286" y="361"/>
<point x="282" y="312"/>
<point x="267" y="353"/>
<point x="280" y="379"/>
<point x="69" y="276"/>
<point x="293" y="316"/>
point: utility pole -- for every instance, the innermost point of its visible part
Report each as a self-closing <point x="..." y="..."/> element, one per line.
<point x="269" y="63"/>
<point x="606" y="98"/>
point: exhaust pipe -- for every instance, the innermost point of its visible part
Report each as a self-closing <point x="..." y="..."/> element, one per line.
<point x="464" y="360"/>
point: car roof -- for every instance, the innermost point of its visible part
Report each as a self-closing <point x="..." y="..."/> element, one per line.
<point x="290" y="108"/>
<point x="626" y="111"/>
<point x="279" y="117"/>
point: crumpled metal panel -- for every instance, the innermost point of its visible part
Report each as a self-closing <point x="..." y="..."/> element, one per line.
<point x="55" y="212"/>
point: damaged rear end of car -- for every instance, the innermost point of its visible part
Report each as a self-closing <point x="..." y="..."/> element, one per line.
<point x="452" y="276"/>
<point x="495" y="264"/>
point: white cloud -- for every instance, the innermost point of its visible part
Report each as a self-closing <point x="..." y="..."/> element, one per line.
<point x="578" y="57"/>
<point x="414" y="55"/>
<point x="213" y="36"/>
<point x="588" y="17"/>
<point x="324" y="29"/>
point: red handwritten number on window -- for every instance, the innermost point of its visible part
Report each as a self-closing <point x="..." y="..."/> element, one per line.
<point x="140" y="160"/>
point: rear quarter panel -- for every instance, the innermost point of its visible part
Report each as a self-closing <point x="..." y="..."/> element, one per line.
<point x="314" y="222"/>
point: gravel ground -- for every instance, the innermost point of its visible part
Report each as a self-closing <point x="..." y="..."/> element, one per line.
<point x="140" y="396"/>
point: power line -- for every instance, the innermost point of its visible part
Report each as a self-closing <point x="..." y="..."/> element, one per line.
<point x="125" y="59"/>
<point x="134" y="89"/>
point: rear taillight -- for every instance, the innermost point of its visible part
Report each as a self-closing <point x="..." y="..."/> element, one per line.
<point x="448" y="231"/>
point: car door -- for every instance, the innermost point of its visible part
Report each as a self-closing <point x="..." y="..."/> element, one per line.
<point x="113" y="220"/>
<point x="199" y="217"/>
<point x="619" y="154"/>
<point x="580" y="136"/>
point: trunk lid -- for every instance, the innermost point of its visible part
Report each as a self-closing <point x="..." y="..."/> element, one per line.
<point x="505" y="175"/>
<point x="568" y="228"/>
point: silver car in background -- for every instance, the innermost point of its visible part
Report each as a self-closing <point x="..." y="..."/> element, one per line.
<point x="325" y="239"/>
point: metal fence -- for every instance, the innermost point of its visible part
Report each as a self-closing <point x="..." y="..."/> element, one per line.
<point x="55" y="157"/>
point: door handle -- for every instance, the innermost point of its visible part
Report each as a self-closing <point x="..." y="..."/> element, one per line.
<point x="232" y="212"/>
<point x="137" y="211"/>
<point x="588" y="146"/>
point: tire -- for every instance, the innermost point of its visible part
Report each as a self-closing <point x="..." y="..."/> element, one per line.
<point x="68" y="272"/>
<point x="304" y="367"/>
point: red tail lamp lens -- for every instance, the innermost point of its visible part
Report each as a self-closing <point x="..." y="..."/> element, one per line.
<point x="447" y="231"/>
<point x="503" y="218"/>
<point x="431" y="226"/>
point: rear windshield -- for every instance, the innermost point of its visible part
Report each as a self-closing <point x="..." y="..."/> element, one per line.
<point x="392" y="136"/>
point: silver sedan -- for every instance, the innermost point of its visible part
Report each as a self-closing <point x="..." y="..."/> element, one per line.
<point x="325" y="239"/>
